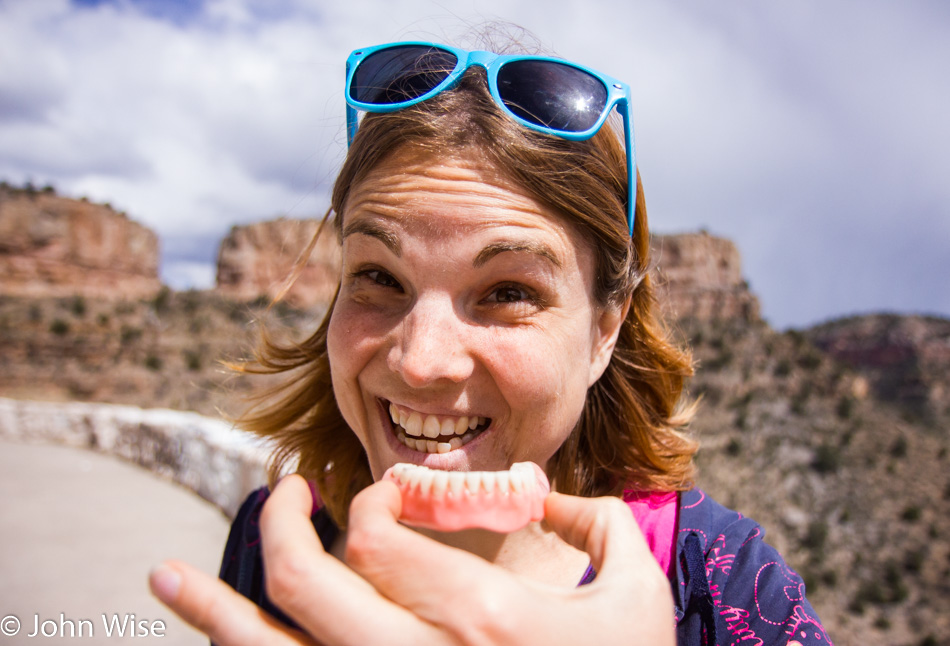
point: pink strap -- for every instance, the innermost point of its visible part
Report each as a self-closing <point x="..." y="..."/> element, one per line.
<point x="655" y="513"/>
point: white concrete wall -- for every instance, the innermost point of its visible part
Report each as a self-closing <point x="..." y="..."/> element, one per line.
<point x="209" y="456"/>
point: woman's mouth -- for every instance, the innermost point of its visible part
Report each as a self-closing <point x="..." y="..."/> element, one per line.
<point x="434" y="433"/>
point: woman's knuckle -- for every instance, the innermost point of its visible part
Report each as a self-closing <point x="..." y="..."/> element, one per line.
<point x="284" y="578"/>
<point x="365" y="543"/>
<point x="490" y="619"/>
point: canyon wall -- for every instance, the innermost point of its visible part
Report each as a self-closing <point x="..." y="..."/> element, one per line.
<point x="699" y="276"/>
<point x="261" y="258"/>
<point x="55" y="246"/>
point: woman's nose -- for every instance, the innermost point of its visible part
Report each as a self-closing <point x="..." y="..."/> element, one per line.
<point x="432" y="344"/>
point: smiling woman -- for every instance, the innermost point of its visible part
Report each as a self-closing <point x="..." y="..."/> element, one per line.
<point x="494" y="309"/>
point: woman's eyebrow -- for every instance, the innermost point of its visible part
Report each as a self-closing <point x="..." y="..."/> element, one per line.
<point x="535" y="248"/>
<point x="374" y="230"/>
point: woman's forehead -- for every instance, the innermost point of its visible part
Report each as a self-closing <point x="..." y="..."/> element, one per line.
<point x="430" y="194"/>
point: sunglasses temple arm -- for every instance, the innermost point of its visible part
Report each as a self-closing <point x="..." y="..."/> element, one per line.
<point x="631" y="165"/>
<point x="351" y="117"/>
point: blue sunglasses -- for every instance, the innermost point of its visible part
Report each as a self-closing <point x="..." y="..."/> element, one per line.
<point x="545" y="94"/>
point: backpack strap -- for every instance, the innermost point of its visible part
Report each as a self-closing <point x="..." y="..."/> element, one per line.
<point x="697" y="591"/>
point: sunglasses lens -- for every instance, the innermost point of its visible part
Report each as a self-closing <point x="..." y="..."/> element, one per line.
<point x="402" y="73"/>
<point x="550" y="94"/>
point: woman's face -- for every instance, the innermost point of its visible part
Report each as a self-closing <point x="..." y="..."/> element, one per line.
<point x="466" y="312"/>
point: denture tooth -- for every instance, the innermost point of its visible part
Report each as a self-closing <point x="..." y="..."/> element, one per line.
<point x="472" y="423"/>
<point x="488" y="480"/>
<point x="502" y="482"/>
<point x="447" y="427"/>
<point x="432" y="446"/>
<point x="398" y="470"/>
<point x="415" y="478"/>
<point x="425" y="481"/>
<point x="456" y="443"/>
<point x="413" y="425"/>
<point x="443" y="447"/>
<point x="472" y="481"/>
<point x="440" y="482"/>
<point x="431" y="427"/>
<point x="516" y="480"/>
<point x="461" y="425"/>
<point x="393" y="413"/>
<point x="526" y="471"/>
<point x="456" y="483"/>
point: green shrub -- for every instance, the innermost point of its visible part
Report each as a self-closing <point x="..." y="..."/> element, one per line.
<point x="734" y="447"/>
<point x="59" y="327"/>
<point x="816" y="536"/>
<point x="193" y="360"/>
<point x="845" y="407"/>
<point x="783" y="368"/>
<point x="827" y="459"/>
<point x="899" y="447"/>
<point x="78" y="306"/>
<point x="911" y="514"/>
<point x="130" y="334"/>
<point x="809" y="360"/>
<point x="162" y="300"/>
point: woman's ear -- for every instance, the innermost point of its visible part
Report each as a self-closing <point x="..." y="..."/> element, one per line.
<point x="605" y="332"/>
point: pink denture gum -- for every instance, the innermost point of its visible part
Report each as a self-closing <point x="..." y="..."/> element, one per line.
<point x="500" y="501"/>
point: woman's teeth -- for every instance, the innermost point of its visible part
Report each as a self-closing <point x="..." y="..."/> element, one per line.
<point x="429" y="434"/>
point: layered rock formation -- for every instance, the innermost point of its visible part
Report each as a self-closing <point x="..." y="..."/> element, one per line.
<point x="264" y="259"/>
<point x="699" y="276"/>
<point x="907" y="358"/>
<point x="55" y="246"/>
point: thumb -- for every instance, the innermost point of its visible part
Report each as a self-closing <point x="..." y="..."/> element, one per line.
<point x="605" y="529"/>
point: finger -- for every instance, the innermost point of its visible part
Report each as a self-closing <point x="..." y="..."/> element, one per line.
<point x="606" y="530"/>
<point x="215" y="609"/>
<point x="449" y="587"/>
<point x="325" y="597"/>
<point x="630" y="593"/>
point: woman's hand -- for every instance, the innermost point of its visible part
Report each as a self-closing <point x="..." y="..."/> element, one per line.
<point x="404" y="588"/>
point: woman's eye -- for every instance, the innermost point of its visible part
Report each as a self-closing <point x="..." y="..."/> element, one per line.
<point x="380" y="278"/>
<point x="509" y="294"/>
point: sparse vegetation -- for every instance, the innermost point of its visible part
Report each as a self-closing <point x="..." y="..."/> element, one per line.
<point x="911" y="514"/>
<point x="827" y="459"/>
<point x="59" y="327"/>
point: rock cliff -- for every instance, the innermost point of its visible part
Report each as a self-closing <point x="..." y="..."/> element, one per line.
<point x="699" y="276"/>
<point x="906" y="358"/>
<point x="259" y="259"/>
<point x="55" y="246"/>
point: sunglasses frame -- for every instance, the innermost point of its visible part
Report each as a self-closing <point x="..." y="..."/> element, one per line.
<point x="618" y="96"/>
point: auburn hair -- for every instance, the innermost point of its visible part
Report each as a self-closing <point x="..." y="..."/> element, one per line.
<point x="631" y="433"/>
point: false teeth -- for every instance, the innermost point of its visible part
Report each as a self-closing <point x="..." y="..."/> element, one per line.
<point x="500" y="501"/>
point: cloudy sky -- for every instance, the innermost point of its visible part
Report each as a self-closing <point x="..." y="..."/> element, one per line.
<point x="813" y="133"/>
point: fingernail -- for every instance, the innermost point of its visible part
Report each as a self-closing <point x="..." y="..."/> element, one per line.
<point x="164" y="582"/>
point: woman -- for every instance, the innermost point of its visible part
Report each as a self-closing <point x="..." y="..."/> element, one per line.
<point x="494" y="293"/>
